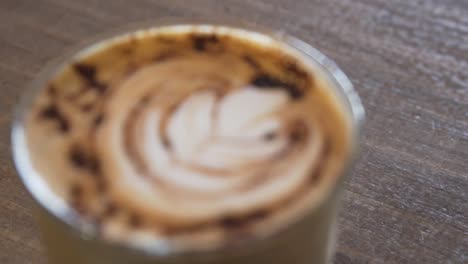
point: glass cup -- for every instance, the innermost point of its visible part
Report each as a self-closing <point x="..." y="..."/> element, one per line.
<point x="310" y="239"/>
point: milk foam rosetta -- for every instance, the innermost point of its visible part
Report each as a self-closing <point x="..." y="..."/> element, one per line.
<point x="188" y="137"/>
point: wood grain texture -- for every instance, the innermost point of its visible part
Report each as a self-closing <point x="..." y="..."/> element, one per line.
<point x="407" y="199"/>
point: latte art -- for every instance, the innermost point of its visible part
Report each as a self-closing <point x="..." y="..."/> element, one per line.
<point x="188" y="138"/>
<point x="203" y="154"/>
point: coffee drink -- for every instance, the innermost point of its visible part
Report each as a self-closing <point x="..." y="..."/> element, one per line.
<point x="189" y="137"/>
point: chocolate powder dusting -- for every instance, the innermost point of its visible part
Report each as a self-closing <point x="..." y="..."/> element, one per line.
<point x="201" y="42"/>
<point x="78" y="157"/>
<point x="87" y="107"/>
<point x="251" y="61"/>
<point x="242" y="221"/>
<point x="298" y="132"/>
<point x="52" y="112"/>
<point x="231" y="222"/>
<point x="265" y="81"/>
<point x="135" y="220"/>
<point x="110" y="210"/>
<point x="89" y="74"/>
<point x="145" y="99"/>
<point x="64" y="125"/>
<point x="292" y="68"/>
<point x="81" y="159"/>
<point x="98" y="120"/>
<point x="94" y="165"/>
<point x="228" y="223"/>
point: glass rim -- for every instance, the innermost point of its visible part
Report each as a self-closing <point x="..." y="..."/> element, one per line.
<point x="59" y="209"/>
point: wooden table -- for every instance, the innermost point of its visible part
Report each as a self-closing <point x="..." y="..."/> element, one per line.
<point x="407" y="200"/>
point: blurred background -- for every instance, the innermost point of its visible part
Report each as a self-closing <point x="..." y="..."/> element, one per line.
<point x="407" y="199"/>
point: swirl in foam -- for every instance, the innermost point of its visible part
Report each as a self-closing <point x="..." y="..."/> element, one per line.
<point x="188" y="137"/>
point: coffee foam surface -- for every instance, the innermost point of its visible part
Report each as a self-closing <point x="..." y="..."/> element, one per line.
<point x="188" y="136"/>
